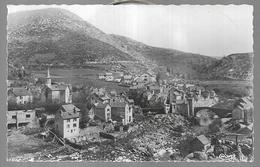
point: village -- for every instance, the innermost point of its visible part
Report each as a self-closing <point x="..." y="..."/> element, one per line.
<point x="155" y="119"/>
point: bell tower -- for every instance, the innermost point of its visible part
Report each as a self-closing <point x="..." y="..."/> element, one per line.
<point x="48" y="78"/>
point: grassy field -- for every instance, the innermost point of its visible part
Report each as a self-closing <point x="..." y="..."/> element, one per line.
<point x="89" y="77"/>
<point x="80" y="77"/>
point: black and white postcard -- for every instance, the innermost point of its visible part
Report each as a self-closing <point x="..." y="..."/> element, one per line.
<point x="125" y="83"/>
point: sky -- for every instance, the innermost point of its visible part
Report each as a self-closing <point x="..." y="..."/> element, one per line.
<point x="212" y="30"/>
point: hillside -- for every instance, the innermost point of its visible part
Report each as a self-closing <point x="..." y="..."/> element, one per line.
<point x="58" y="36"/>
<point x="175" y="61"/>
<point x="235" y="66"/>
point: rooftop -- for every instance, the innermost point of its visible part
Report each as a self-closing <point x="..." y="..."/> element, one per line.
<point x="101" y="105"/>
<point x="69" y="111"/>
<point x="57" y="87"/>
<point x="21" y="91"/>
<point x="118" y="104"/>
<point x="203" y="139"/>
<point x="19" y="111"/>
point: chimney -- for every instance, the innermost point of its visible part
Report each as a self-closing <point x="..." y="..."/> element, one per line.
<point x="74" y="110"/>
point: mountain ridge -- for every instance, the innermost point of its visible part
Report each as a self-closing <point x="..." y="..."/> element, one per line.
<point x="58" y="35"/>
<point x="237" y="66"/>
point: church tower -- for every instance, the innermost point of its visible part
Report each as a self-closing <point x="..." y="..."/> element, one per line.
<point x="48" y="78"/>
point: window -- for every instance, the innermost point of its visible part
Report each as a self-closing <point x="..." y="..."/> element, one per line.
<point x="71" y="130"/>
<point x="130" y="119"/>
<point x="68" y="120"/>
<point x="68" y="125"/>
<point x="75" y="119"/>
<point x="74" y="125"/>
<point x="108" y="116"/>
<point x="21" y="97"/>
<point x="28" y="115"/>
<point x="14" y="117"/>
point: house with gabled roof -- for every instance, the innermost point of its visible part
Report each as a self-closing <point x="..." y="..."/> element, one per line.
<point x="20" y="95"/>
<point x="67" y="121"/>
<point x="101" y="111"/>
<point x="127" y="79"/>
<point x="122" y="112"/>
<point x="200" y="143"/>
<point x="145" y="78"/>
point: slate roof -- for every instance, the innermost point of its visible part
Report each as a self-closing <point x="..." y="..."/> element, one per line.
<point x="118" y="104"/>
<point x="21" y="91"/>
<point x="69" y="111"/>
<point x="56" y="87"/>
<point x="203" y="139"/>
<point x="101" y="105"/>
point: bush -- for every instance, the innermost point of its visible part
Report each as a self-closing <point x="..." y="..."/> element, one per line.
<point x="125" y="127"/>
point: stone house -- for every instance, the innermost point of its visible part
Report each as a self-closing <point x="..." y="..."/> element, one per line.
<point x="101" y="76"/>
<point x="177" y="102"/>
<point x="18" y="118"/>
<point x="20" y="95"/>
<point x="127" y="79"/>
<point x="122" y="112"/>
<point x="109" y="76"/>
<point x="145" y="78"/>
<point x="67" y="121"/>
<point x="101" y="111"/>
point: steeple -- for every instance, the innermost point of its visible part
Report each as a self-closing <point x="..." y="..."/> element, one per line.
<point x="48" y="73"/>
<point x="48" y="78"/>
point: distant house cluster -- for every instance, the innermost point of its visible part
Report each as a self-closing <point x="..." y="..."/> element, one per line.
<point x="108" y="109"/>
<point x="111" y="76"/>
<point x="128" y="79"/>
